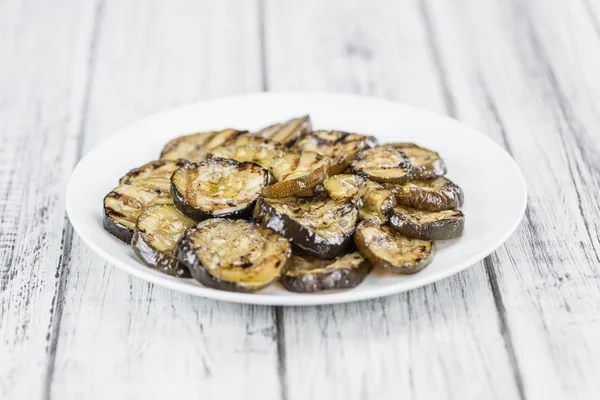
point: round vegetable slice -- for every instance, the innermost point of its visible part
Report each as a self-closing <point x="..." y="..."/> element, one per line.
<point x="250" y="148"/>
<point x="383" y="164"/>
<point x="218" y="187"/>
<point x="297" y="172"/>
<point x="429" y="194"/>
<point x="419" y="224"/>
<point x="288" y="132"/>
<point x="386" y="248"/>
<point x="196" y="146"/>
<point x="157" y="232"/>
<point x="233" y="255"/>
<point x="427" y="164"/>
<point x="373" y="200"/>
<point x="339" y="146"/>
<point x="309" y="274"/>
<point x="319" y="227"/>
<point x="154" y="169"/>
<point x="124" y="204"/>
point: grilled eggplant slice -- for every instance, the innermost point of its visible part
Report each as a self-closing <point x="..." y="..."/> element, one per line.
<point x="218" y="187"/>
<point x="195" y="147"/>
<point x="427" y="164"/>
<point x="373" y="200"/>
<point x="157" y="232"/>
<point x="124" y="204"/>
<point x="437" y="194"/>
<point x="318" y="227"/>
<point x="383" y="164"/>
<point x="154" y="169"/>
<point x="339" y="146"/>
<point x="297" y="172"/>
<point x="386" y="248"/>
<point x="251" y="148"/>
<point x="427" y="225"/>
<point x="309" y="274"/>
<point x="233" y="255"/>
<point x="288" y="132"/>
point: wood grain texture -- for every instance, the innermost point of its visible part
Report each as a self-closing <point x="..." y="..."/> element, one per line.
<point x="442" y="341"/>
<point x="120" y="337"/>
<point x="522" y="324"/>
<point x="516" y="69"/>
<point x="41" y="90"/>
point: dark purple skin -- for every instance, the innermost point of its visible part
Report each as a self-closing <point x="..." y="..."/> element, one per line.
<point x="445" y="229"/>
<point x="164" y="262"/>
<point x="119" y="231"/>
<point x="242" y="212"/>
<point x="339" y="278"/>
<point x="307" y="241"/>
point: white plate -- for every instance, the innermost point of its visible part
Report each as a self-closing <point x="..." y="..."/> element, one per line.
<point x="495" y="191"/>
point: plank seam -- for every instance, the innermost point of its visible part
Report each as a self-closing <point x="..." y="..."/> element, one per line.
<point x="56" y="310"/>
<point x="281" y="353"/>
<point x="436" y="55"/>
<point x="504" y="328"/>
<point x="263" y="44"/>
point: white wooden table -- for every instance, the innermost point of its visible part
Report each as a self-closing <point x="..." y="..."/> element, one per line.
<point x="523" y="324"/>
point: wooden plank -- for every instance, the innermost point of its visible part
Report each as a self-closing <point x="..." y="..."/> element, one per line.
<point x="120" y="336"/>
<point x="442" y="341"/>
<point x="525" y="70"/>
<point x="40" y="98"/>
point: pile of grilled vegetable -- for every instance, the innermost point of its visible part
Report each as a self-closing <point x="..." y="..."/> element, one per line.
<point x="314" y="210"/>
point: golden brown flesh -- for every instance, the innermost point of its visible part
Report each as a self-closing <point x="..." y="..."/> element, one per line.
<point x="383" y="164"/>
<point x="195" y="147"/>
<point x="288" y="132"/>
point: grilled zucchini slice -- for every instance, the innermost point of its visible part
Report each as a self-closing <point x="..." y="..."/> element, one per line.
<point x="427" y="164"/>
<point x="233" y="255"/>
<point x="339" y="146"/>
<point x="124" y="204"/>
<point x="251" y="148"/>
<point x="297" y="172"/>
<point x="386" y="248"/>
<point x="218" y="187"/>
<point x="154" y="169"/>
<point x="309" y="274"/>
<point x="288" y="132"/>
<point x="429" y="194"/>
<point x="157" y="232"/>
<point x="373" y="200"/>
<point x="196" y="146"/>
<point x="427" y="225"/>
<point x="383" y="164"/>
<point x="318" y="227"/>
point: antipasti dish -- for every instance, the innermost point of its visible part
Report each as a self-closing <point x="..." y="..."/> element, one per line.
<point x="238" y="210"/>
<point x="291" y="205"/>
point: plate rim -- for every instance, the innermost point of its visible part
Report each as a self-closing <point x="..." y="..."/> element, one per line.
<point x="296" y="299"/>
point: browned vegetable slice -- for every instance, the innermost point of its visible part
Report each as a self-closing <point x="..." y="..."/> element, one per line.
<point x="195" y="147"/>
<point x="157" y="232"/>
<point x="319" y="227"/>
<point x="218" y="187"/>
<point x="419" y="224"/>
<point x="251" y="148"/>
<point x="309" y="274"/>
<point x="427" y="164"/>
<point x="124" y="204"/>
<point x="386" y="248"/>
<point x="288" y="132"/>
<point x="154" y="169"/>
<point x="339" y="146"/>
<point x="429" y="194"/>
<point x="373" y="200"/>
<point x="383" y="164"/>
<point x="297" y="172"/>
<point x="233" y="255"/>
